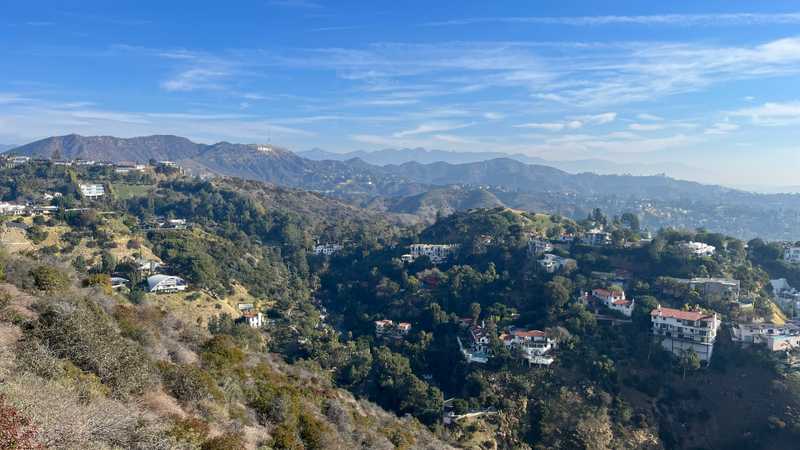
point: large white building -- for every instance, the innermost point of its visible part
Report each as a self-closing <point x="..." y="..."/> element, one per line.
<point x="596" y="237"/>
<point x="166" y="283"/>
<point x="437" y="253"/>
<point x="615" y="300"/>
<point x="92" y="190"/>
<point x="698" y="248"/>
<point x="683" y="331"/>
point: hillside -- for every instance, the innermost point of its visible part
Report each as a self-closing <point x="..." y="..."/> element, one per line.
<point x="660" y="200"/>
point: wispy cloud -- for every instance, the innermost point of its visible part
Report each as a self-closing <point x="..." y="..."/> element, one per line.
<point x="647" y="116"/>
<point x="572" y="123"/>
<point x="721" y="128"/>
<point x="682" y="20"/>
<point x="772" y="113"/>
<point x="433" y="127"/>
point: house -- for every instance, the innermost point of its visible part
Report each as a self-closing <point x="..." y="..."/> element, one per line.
<point x="388" y="328"/>
<point x="596" y="238"/>
<point x="407" y="258"/>
<point x="681" y="331"/>
<point x="437" y="253"/>
<point x="169" y="164"/>
<point x="119" y="282"/>
<point x="700" y="249"/>
<point x="327" y="249"/>
<point x="711" y="289"/>
<point x="148" y="265"/>
<point x="786" y="296"/>
<point x="614" y="300"/>
<point x="92" y="190"/>
<point x="124" y="169"/>
<point x="251" y="317"/>
<point x="12" y="209"/>
<point x="553" y="263"/>
<point x="383" y="326"/>
<point x="792" y="255"/>
<point x="17" y="160"/>
<point x="774" y="337"/>
<point x="478" y="349"/>
<point x="166" y="284"/>
<point x="538" y="247"/>
<point x="534" y="345"/>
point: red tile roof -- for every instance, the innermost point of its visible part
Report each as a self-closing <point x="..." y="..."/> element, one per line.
<point x="680" y="314"/>
<point x="528" y="333"/>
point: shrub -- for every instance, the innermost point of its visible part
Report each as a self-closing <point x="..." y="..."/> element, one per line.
<point x="50" y="279"/>
<point x="186" y="382"/>
<point x="101" y="280"/>
<point x="221" y="353"/>
<point x="190" y="430"/>
<point x="36" y="234"/>
<point x="16" y="430"/>
<point x="83" y="334"/>
<point x="227" y="441"/>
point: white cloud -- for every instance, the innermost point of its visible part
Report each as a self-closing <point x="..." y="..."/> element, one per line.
<point x="652" y="117"/>
<point x="646" y="126"/>
<point x="598" y="119"/>
<point x="431" y="128"/>
<point x="683" y="20"/>
<point x="549" y="126"/>
<point x="721" y="128"/>
<point x="772" y="113"/>
<point x="493" y="116"/>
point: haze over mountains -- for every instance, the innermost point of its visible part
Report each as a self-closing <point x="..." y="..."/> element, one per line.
<point x="425" y="156"/>
<point x="421" y="190"/>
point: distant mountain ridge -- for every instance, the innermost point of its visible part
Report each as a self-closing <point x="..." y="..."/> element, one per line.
<point x="392" y="156"/>
<point x="424" y="190"/>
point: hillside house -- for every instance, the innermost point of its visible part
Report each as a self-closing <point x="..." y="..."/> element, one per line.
<point x="251" y="317"/>
<point x="92" y="190"/>
<point x="711" y="289"/>
<point x="614" y="300"/>
<point x="681" y="331"/>
<point x="12" y="209"/>
<point x="437" y="253"/>
<point x="700" y="249"/>
<point x="774" y="337"/>
<point x="786" y="296"/>
<point x="478" y="349"/>
<point x="596" y="238"/>
<point x="13" y="161"/>
<point x="553" y="263"/>
<point x="387" y="328"/>
<point x="327" y="249"/>
<point x="534" y="345"/>
<point x="162" y="284"/>
<point x="792" y="255"/>
<point x="538" y="246"/>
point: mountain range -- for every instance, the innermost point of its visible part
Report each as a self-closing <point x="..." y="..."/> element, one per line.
<point x="391" y="156"/>
<point x="423" y="189"/>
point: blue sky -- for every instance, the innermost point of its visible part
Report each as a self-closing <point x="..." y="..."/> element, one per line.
<point x="712" y="84"/>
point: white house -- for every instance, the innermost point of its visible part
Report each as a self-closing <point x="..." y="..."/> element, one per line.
<point x="553" y="263"/>
<point x="774" y="337"/>
<point x="683" y="331"/>
<point x="615" y="300"/>
<point x="253" y="318"/>
<point x="437" y="253"/>
<point x="478" y="350"/>
<point x="596" y="238"/>
<point x="698" y="248"/>
<point x="12" y="209"/>
<point x="148" y="265"/>
<point x="539" y="246"/>
<point x="327" y="249"/>
<point x="17" y="160"/>
<point x="792" y="255"/>
<point x="535" y="345"/>
<point x="166" y="283"/>
<point x="92" y="190"/>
